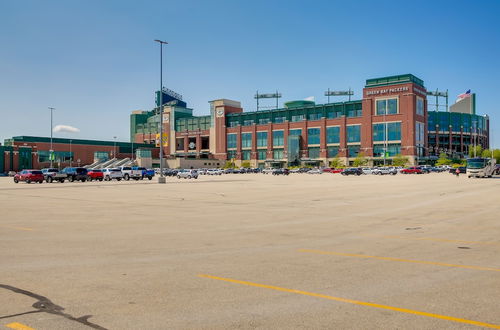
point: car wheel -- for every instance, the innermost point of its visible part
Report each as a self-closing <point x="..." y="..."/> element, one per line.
<point x="178" y="177"/>
<point x="118" y="179"/>
<point x="83" y="180"/>
<point x="28" y="181"/>
<point x="126" y="177"/>
<point x="150" y="178"/>
<point x="71" y="179"/>
<point x="62" y="180"/>
<point x="189" y="177"/>
<point x="40" y="182"/>
<point x="100" y="179"/>
<point x="49" y="179"/>
<point x="16" y="180"/>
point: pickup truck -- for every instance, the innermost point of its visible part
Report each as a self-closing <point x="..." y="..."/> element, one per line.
<point x="145" y="173"/>
<point x="53" y="174"/>
<point x="131" y="173"/>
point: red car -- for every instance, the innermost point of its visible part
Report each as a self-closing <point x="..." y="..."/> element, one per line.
<point x="29" y="176"/>
<point x="412" y="170"/>
<point x="95" y="175"/>
<point x="333" y="170"/>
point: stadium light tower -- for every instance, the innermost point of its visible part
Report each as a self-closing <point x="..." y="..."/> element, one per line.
<point x="267" y="96"/>
<point x="329" y="93"/>
<point x="161" y="179"/>
<point x="51" y="152"/>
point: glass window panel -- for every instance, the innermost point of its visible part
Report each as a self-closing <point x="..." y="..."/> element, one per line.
<point x="231" y="141"/>
<point x="246" y="140"/>
<point x="392" y="106"/>
<point x="333" y="151"/>
<point x="262" y="154"/>
<point x="295" y="132"/>
<point x="354" y="133"/>
<point x="246" y="155"/>
<point x="278" y="153"/>
<point x="278" y="138"/>
<point x="313" y="136"/>
<point x="353" y="151"/>
<point x="381" y="105"/>
<point x="313" y="153"/>
<point x="261" y="139"/>
<point x="333" y="134"/>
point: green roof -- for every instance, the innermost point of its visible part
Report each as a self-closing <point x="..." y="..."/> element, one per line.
<point x="35" y="139"/>
<point x="393" y="80"/>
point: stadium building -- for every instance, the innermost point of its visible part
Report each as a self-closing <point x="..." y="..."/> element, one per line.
<point x="391" y="119"/>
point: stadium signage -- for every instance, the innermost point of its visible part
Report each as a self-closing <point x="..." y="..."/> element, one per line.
<point x="388" y="90"/>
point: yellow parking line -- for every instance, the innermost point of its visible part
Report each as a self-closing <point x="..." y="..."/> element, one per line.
<point x="398" y="259"/>
<point x="356" y="302"/>
<point x="18" y="326"/>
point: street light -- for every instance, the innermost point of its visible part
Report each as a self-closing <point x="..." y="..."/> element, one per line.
<point x="70" y="154"/>
<point x="51" y="152"/>
<point x="114" y="147"/>
<point x="161" y="179"/>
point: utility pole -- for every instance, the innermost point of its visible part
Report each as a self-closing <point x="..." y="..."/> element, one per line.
<point x="161" y="179"/>
<point x="51" y="152"/>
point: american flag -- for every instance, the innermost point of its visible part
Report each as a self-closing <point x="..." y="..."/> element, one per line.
<point x="463" y="95"/>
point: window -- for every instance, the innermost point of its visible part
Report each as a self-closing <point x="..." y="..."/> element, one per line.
<point x="387" y="106"/>
<point x="278" y="153"/>
<point x="333" y="134"/>
<point x="298" y="118"/>
<point x="333" y="151"/>
<point x="264" y="121"/>
<point x="393" y="149"/>
<point x="278" y="139"/>
<point x="59" y="156"/>
<point x="279" y="120"/>
<point x="420" y="106"/>
<point x="246" y="140"/>
<point x="314" y="153"/>
<point x="331" y="114"/>
<point x="353" y="133"/>
<point x="295" y="132"/>
<point x="314" y="116"/>
<point x="231" y="154"/>
<point x="246" y="155"/>
<point x="261" y="139"/>
<point x="179" y="144"/>
<point x="353" y="151"/>
<point x="234" y="123"/>
<point x="231" y="141"/>
<point x="313" y="135"/>
<point x="262" y="154"/>
<point x="248" y="122"/>
<point x="354" y="110"/>
<point x="393" y="131"/>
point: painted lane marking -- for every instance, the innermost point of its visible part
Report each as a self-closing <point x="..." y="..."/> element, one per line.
<point x="398" y="259"/>
<point x="446" y="240"/>
<point x="18" y="326"/>
<point x="356" y="302"/>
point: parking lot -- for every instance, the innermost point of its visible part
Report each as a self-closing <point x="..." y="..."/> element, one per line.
<point x="252" y="251"/>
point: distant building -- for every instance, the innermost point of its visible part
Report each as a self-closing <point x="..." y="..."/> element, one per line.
<point x="391" y="119"/>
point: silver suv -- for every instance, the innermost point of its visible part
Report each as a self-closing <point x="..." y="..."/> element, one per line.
<point x="187" y="174"/>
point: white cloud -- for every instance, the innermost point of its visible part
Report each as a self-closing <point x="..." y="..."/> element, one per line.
<point x="310" y="98"/>
<point x="65" y="129"/>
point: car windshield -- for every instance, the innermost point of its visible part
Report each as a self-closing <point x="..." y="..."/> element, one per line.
<point x="115" y="170"/>
<point x="36" y="172"/>
<point x="81" y="170"/>
<point x="96" y="171"/>
<point x="476" y="163"/>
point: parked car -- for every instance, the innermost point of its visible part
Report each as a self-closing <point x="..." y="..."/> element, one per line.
<point x="385" y="170"/>
<point x="95" y="174"/>
<point x="53" y="174"/>
<point x="315" y="171"/>
<point x="147" y="173"/>
<point x="281" y="171"/>
<point x="352" y="171"/>
<point x="170" y="172"/>
<point x="130" y="172"/>
<point x="497" y="169"/>
<point x="368" y="170"/>
<point x="267" y="171"/>
<point x="214" y="171"/>
<point x="188" y="174"/>
<point x="76" y="174"/>
<point x="29" y="176"/>
<point x="412" y="170"/>
<point x="112" y="174"/>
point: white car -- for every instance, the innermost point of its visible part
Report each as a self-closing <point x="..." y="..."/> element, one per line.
<point x="214" y="171"/>
<point x="367" y="170"/>
<point x="315" y="171"/>
<point x="130" y="173"/>
<point x="385" y="170"/>
<point x="112" y="174"/>
<point x="187" y="174"/>
<point x="268" y="171"/>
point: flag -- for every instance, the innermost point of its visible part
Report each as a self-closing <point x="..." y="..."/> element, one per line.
<point x="463" y="95"/>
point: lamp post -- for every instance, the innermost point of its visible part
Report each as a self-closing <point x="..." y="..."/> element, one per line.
<point x="114" y="147"/>
<point x="161" y="179"/>
<point x="51" y="152"/>
<point x="70" y="154"/>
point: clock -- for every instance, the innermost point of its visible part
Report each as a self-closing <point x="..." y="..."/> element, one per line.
<point x="220" y="113"/>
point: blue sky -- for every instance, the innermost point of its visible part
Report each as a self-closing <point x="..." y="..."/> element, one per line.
<point x="95" y="61"/>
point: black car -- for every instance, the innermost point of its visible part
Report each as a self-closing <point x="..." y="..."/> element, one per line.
<point x="76" y="173"/>
<point x="352" y="171"/>
<point x="281" y="171"/>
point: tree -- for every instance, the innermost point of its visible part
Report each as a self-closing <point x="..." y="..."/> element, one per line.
<point x="229" y="164"/>
<point x="336" y="163"/>
<point x="360" y="160"/>
<point x="443" y="159"/>
<point x="479" y="151"/>
<point x="488" y="154"/>
<point x="246" y="164"/>
<point x="400" y="160"/>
